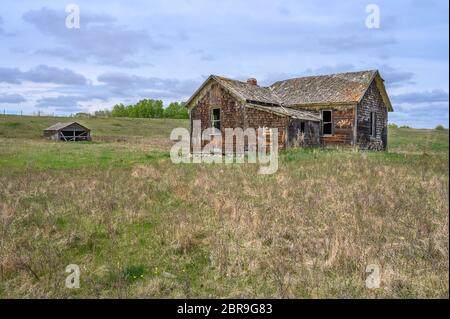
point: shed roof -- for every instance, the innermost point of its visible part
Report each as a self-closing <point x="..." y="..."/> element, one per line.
<point x="60" y="126"/>
<point x="285" y="111"/>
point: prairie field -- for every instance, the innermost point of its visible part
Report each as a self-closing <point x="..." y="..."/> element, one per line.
<point x="140" y="226"/>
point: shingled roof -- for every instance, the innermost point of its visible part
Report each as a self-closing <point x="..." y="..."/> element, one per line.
<point x="60" y="126"/>
<point x="342" y="88"/>
<point x="324" y="89"/>
<point x="285" y="111"/>
<point x="248" y="91"/>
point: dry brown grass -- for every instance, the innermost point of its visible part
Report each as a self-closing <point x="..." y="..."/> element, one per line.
<point x="153" y="229"/>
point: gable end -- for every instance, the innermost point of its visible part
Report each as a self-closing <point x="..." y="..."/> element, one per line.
<point x="379" y="82"/>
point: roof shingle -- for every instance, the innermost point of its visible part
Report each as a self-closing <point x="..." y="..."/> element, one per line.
<point x="323" y="89"/>
<point x="59" y="126"/>
<point x="285" y="111"/>
<point x="248" y="91"/>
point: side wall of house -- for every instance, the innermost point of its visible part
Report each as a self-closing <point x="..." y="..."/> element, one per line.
<point x="372" y="102"/>
<point x="256" y="119"/>
<point x="310" y="137"/>
<point x="312" y="134"/>
<point x="231" y="110"/>
<point x="342" y="129"/>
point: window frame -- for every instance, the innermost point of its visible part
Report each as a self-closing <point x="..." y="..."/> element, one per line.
<point x="216" y="131"/>
<point x="302" y="127"/>
<point x="331" y="122"/>
<point x="373" y="124"/>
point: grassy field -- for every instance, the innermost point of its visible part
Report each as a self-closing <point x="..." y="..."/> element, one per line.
<point x="140" y="226"/>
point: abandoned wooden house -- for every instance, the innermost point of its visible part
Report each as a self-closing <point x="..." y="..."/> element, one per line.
<point x="69" y="132"/>
<point x="337" y="110"/>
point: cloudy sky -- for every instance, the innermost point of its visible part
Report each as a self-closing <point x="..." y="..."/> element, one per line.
<point x="128" y="50"/>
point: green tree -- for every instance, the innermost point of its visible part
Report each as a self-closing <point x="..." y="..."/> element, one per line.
<point x="148" y="108"/>
<point x="392" y="125"/>
<point x="176" y="110"/>
<point x="440" y="128"/>
<point x="119" y="110"/>
<point x="82" y="115"/>
<point x="157" y="109"/>
<point x="132" y="111"/>
<point x="103" y="113"/>
<point x="139" y="109"/>
<point x="146" y="111"/>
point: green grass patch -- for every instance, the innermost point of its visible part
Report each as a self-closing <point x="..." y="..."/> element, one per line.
<point x="58" y="155"/>
<point x="135" y="272"/>
<point x="13" y="126"/>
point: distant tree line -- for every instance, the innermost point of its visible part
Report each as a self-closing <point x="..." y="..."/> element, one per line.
<point x="151" y="109"/>
<point x="146" y="108"/>
<point x="393" y="125"/>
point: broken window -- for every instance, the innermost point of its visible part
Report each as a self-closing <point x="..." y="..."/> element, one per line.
<point x="327" y="122"/>
<point x="215" y="119"/>
<point x="373" y="124"/>
<point x="302" y="127"/>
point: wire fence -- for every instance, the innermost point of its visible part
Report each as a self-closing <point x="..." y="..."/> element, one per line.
<point x="6" y="112"/>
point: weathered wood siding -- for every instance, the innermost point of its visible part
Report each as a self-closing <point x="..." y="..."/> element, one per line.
<point x="372" y="102"/>
<point x="231" y="110"/>
<point x="74" y="127"/>
<point x="342" y="129"/>
<point x="310" y="138"/>
<point x="256" y="119"/>
<point x="51" y="134"/>
<point x="235" y="115"/>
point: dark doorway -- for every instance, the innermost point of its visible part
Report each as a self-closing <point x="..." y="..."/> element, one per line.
<point x="296" y="132"/>
<point x="73" y="136"/>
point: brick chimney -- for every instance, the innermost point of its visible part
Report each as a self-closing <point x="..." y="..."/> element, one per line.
<point x="252" y="81"/>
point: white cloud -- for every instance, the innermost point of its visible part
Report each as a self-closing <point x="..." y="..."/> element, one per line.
<point x="42" y="74"/>
<point x="99" y="37"/>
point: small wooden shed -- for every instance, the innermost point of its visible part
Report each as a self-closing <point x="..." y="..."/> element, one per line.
<point x="73" y="132"/>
